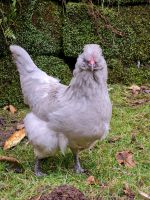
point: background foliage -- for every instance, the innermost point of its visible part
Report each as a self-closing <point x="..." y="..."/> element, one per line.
<point x="58" y="30"/>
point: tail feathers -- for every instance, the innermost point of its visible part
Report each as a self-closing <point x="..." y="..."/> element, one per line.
<point x="22" y="59"/>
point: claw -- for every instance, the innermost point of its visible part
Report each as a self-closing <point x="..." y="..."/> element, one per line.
<point x="40" y="174"/>
<point x="79" y="169"/>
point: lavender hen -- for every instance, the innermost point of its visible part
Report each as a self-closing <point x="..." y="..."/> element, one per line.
<point x="76" y="115"/>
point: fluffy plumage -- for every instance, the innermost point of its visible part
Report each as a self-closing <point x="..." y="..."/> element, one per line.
<point x="76" y="115"/>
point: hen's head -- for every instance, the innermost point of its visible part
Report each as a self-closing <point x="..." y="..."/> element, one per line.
<point x="91" y="59"/>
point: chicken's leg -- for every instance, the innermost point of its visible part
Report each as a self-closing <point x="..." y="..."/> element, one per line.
<point x="37" y="168"/>
<point x="77" y="166"/>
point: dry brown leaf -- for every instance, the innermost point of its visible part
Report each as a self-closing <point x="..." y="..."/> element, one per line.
<point x="143" y="194"/>
<point x="133" y="137"/>
<point x="103" y="185"/>
<point x="145" y="89"/>
<point x="135" y="89"/>
<point x="139" y="146"/>
<point x="91" y="180"/>
<point x="6" y="108"/>
<point x="9" y="159"/>
<point x="14" y="139"/>
<point x="15" y="164"/>
<point x="10" y="108"/>
<point x="140" y="101"/>
<point x="128" y="192"/>
<point x="126" y="158"/>
<point x="38" y="197"/>
<point x="114" y="139"/>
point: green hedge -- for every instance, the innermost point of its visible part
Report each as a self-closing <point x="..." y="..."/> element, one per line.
<point x="77" y="29"/>
<point x="109" y="2"/>
<point x="117" y="73"/>
<point x="37" y="26"/>
<point x="55" y="67"/>
<point x="10" y="90"/>
<point x="131" y="22"/>
<point x="120" y="2"/>
<point x="122" y="32"/>
<point x="41" y="31"/>
<point x="127" y="49"/>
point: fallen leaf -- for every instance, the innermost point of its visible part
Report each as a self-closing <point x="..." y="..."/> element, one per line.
<point x="114" y="139"/>
<point x="139" y="146"/>
<point x="4" y="135"/>
<point x="128" y="192"/>
<point x="14" y="139"/>
<point x="125" y="157"/>
<point x="103" y="185"/>
<point x="6" y="107"/>
<point x="143" y="194"/>
<point x="38" y="197"/>
<point x="9" y="159"/>
<point x="133" y="137"/>
<point x="140" y="101"/>
<point x="91" y="180"/>
<point x="135" y="89"/>
<point x="16" y="164"/>
<point x="145" y="89"/>
<point x="99" y="198"/>
<point x="10" y="108"/>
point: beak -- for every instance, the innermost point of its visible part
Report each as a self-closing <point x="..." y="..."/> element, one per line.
<point x="92" y="64"/>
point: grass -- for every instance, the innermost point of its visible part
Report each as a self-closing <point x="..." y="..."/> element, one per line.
<point x="127" y="119"/>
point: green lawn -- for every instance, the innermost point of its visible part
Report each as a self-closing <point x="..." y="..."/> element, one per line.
<point x="129" y="118"/>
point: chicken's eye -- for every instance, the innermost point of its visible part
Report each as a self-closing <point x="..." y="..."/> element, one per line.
<point x="84" y="60"/>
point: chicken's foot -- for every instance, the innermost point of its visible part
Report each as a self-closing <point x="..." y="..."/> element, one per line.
<point x="77" y="167"/>
<point x="37" y="168"/>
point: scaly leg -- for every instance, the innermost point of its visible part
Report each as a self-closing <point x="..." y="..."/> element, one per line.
<point x="37" y="168"/>
<point x="77" y="166"/>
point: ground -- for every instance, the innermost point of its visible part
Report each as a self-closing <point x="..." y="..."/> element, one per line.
<point x="129" y="132"/>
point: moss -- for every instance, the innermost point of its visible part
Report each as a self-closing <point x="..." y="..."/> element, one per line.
<point x="39" y="29"/>
<point x="10" y="90"/>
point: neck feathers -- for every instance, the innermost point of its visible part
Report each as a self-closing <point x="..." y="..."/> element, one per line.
<point x="86" y="84"/>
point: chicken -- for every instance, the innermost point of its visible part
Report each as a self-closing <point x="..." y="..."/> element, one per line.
<point x="76" y="115"/>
